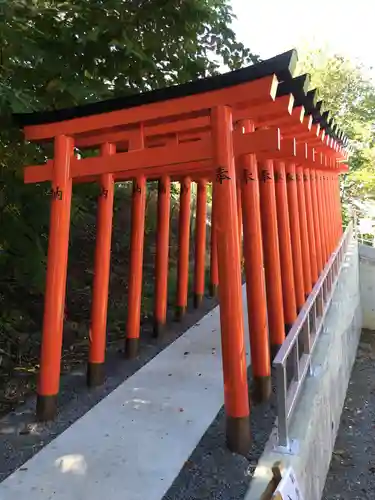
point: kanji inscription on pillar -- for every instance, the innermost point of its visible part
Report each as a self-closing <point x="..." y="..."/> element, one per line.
<point x="279" y="176"/>
<point x="290" y="177"/>
<point x="265" y="176"/>
<point x="222" y="175"/>
<point x="248" y="176"/>
<point x="103" y="193"/>
<point x="56" y="194"/>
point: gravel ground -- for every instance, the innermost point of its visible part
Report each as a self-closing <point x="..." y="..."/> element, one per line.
<point x="21" y="437"/>
<point x="352" y="470"/>
<point x="212" y="472"/>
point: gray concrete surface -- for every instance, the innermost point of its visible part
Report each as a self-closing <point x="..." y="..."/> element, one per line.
<point x="352" y="471"/>
<point x="214" y="473"/>
<point x="93" y="456"/>
<point x="317" y="417"/>
<point x="21" y="437"/>
<point x="367" y="285"/>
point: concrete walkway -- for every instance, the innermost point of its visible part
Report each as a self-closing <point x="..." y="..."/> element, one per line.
<point x="135" y="441"/>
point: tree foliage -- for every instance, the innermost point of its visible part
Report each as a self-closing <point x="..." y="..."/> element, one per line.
<point x="349" y="94"/>
<point x="55" y="54"/>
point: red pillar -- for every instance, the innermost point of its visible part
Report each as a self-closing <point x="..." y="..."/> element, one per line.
<point x="102" y="264"/>
<point x="271" y="256"/>
<point x="214" y="273"/>
<point x="236" y="398"/>
<point x="295" y="234"/>
<point x="239" y="213"/>
<point x="135" y="267"/>
<point x="162" y="255"/>
<point x="338" y="203"/>
<point x="255" y="282"/>
<point x="330" y="211"/>
<point x="316" y="218"/>
<point x="322" y="219"/>
<point x="54" y="301"/>
<point x="286" y="259"/>
<point x="310" y="225"/>
<point x="305" y="245"/>
<point x="183" y="248"/>
<point x="200" y="243"/>
<point x="327" y="220"/>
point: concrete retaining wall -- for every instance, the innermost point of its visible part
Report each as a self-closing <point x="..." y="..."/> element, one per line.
<point x="316" y="421"/>
<point x="367" y="285"/>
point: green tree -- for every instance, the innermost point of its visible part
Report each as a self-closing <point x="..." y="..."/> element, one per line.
<point x="349" y="94"/>
<point x="55" y="54"/>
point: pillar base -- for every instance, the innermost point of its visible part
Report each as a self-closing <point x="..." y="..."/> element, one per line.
<point x="213" y="289"/>
<point x="287" y="328"/>
<point x="131" y="348"/>
<point x="46" y="408"/>
<point x="180" y="312"/>
<point x="95" y="374"/>
<point x="238" y="435"/>
<point x="261" y="389"/>
<point x="198" y="299"/>
<point x="274" y="350"/>
<point x="158" y="329"/>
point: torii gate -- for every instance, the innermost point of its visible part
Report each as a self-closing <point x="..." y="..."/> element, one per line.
<point x="273" y="160"/>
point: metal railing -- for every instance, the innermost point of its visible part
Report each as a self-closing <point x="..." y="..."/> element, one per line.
<point x="293" y="361"/>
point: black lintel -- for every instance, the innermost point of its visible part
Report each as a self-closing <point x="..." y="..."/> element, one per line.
<point x="297" y="86"/>
<point x="282" y="65"/>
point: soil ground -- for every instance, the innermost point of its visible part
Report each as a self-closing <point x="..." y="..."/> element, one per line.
<point x="352" y="470"/>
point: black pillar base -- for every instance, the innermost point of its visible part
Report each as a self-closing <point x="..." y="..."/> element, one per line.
<point x="287" y="328"/>
<point x="212" y="290"/>
<point x="95" y="374"/>
<point x="238" y="435"/>
<point x="180" y="312"/>
<point x="198" y="298"/>
<point x="158" y="330"/>
<point x="261" y="390"/>
<point x="131" y="348"/>
<point x="46" y="408"/>
<point x="274" y="350"/>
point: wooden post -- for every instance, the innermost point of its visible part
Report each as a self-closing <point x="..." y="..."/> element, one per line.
<point x="295" y="234"/>
<point x="239" y="214"/>
<point x="310" y="225"/>
<point x="102" y="264"/>
<point x="316" y="218"/>
<point x="236" y="397"/>
<point x="200" y="243"/>
<point x="183" y="248"/>
<point x="57" y="260"/>
<point x="286" y="258"/>
<point x="136" y="267"/>
<point x="322" y="219"/>
<point x="255" y="281"/>
<point x="339" y="204"/>
<point x="162" y="255"/>
<point x="271" y="256"/>
<point x="214" y="273"/>
<point x="305" y="246"/>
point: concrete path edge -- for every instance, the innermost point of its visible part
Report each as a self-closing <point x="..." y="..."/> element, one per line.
<point x="317" y="418"/>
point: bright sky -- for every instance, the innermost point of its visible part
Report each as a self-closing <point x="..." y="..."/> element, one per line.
<point x="269" y="27"/>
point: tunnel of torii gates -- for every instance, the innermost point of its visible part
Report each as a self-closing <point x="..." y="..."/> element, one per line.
<point x="273" y="158"/>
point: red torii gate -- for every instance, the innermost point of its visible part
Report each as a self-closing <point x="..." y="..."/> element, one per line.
<point x="195" y="132"/>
